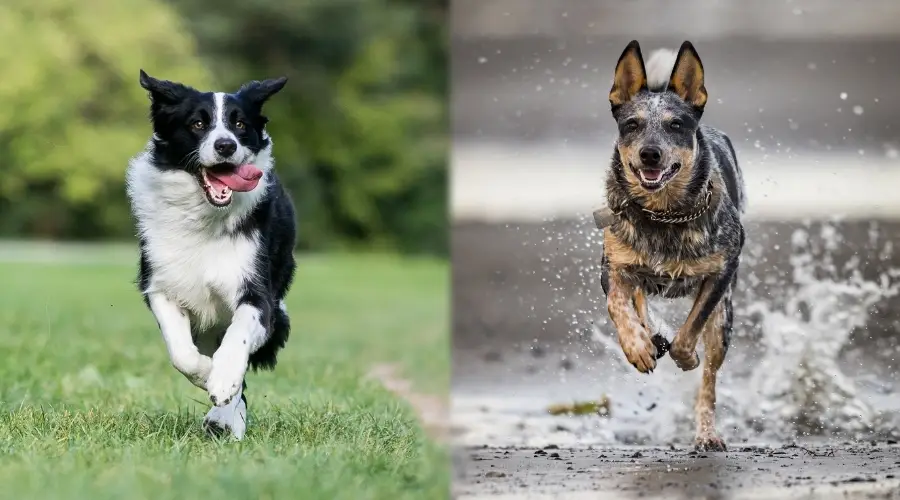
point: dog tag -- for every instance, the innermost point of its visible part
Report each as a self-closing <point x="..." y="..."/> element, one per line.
<point x="604" y="217"/>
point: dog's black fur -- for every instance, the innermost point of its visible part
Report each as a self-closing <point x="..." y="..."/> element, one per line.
<point x="678" y="191"/>
<point x="173" y="107"/>
<point x="216" y="232"/>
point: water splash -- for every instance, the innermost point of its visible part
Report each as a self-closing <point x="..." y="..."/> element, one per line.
<point x="798" y="387"/>
<point x="801" y="323"/>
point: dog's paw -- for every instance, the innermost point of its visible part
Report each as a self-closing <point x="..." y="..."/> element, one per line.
<point x="227" y="376"/>
<point x="709" y="441"/>
<point x="686" y="360"/>
<point x="662" y="345"/>
<point x="640" y="352"/>
<point x="224" y="420"/>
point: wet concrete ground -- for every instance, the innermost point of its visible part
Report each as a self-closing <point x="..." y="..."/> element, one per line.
<point x="820" y="472"/>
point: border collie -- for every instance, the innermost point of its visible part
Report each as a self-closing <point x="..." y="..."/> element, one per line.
<point x="216" y="233"/>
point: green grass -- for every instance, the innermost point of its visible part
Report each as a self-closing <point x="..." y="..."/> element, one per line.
<point x="91" y="407"/>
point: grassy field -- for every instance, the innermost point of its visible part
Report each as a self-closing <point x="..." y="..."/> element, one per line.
<point x="91" y="407"/>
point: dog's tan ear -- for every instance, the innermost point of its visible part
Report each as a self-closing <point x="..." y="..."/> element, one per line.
<point x="631" y="77"/>
<point x="687" y="77"/>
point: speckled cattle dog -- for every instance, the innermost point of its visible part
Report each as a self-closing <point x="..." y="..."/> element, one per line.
<point x="677" y="196"/>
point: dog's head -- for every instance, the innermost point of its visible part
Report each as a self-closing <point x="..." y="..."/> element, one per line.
<point x="657" y="114"/>
<point x="218" y="138"/>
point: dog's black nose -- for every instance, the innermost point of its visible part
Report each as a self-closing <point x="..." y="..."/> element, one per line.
<point x="651" y="155"/>
<point x="225" y="147"/>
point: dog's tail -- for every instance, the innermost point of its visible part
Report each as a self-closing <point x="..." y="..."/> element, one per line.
<point x="659" y="68"/>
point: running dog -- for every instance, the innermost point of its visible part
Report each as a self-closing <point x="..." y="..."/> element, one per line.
<point x="677" y="196"/>
<point x="216" y="231"/>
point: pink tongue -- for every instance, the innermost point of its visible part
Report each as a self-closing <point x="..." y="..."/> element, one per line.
<point x="652" y="174"/>
<point x="243" y="178"/>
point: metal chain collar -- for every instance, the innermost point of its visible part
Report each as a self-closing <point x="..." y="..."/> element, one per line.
<point x="673" y="217"/>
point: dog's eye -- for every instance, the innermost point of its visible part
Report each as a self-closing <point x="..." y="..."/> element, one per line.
<point x="675" y="125"/>
<point x="630" y="126"/>
<point x="199" y="125"/>
<point x="240" y="125"/>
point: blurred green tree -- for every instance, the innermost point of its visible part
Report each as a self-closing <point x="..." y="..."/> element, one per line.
<point x="360" y="130"/>
<point x="73" y="112"/>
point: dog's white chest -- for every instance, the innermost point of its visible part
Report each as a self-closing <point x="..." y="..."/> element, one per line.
<point x="205" y="275"/>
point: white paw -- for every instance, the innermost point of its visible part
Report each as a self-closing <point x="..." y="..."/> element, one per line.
<point x="231" y="418"/>
<point x="227" y="376"/>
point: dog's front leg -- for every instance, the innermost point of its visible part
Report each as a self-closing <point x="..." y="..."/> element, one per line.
<point x="229" y="418"/>
<point x="684" y="347"/>
<point x="633" y="337"/>
<point x="247" y="333"/>
<point x="176" y="331"/>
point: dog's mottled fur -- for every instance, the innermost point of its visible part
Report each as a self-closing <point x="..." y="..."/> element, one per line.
<point x="668" y="167"/>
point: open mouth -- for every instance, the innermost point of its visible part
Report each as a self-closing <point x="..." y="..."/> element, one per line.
<point x="654" y="178"/>
<point x="219" y="182"/>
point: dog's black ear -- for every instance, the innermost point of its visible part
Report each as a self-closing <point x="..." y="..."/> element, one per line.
<point x="260" y="92"/>
<point x="631" y="77"/>
<point x="163" y="91"/>
<point x="687" y="77"/>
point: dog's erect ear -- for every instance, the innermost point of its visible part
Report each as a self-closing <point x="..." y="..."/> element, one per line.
<point x="631" y="77"/>
<point x="259" y="92"/>
<point x="163" y="91"/>
<point x="687" y="77"/>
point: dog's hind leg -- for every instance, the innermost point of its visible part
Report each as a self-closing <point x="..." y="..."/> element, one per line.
<point x="266" y="356"/>
<point x="716" y="337"/>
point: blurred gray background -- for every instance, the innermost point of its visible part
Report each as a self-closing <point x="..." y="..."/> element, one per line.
<point x="811" y="83"/>
<point x="808" y="92"/>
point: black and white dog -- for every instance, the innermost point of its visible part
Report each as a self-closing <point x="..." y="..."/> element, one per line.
<point x="216" y="231"/>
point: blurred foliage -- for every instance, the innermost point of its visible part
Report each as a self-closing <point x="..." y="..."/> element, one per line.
<point x="359" y="130"/>
<point x="73" y="112"/>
